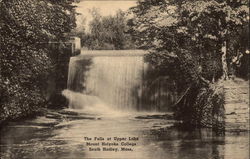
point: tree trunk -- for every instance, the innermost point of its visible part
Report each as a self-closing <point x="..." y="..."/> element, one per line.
<point x="224" y="61"/>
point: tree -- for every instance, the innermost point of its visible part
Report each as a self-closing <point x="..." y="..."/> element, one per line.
<point x="194" y="39"/>
<point x="24" y="62"/>
<point x="203" y="28"/>
<point x="108" y="32"/>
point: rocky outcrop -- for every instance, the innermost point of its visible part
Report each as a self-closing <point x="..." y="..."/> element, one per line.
<point x="236" y="105"/>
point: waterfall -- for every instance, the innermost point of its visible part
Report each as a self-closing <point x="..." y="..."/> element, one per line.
<point x="116" y="80"/>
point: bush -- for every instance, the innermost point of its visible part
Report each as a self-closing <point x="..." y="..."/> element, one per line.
<point x="202" y="107"/>
<point x="24" y="63"/>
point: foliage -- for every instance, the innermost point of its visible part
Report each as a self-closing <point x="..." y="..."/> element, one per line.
<point x="25" y="25"/>
<point x="202" y="107"/>
<point x="107" y="32"/>
<point x="204" y="36"/>
<point x="200" y="27"/>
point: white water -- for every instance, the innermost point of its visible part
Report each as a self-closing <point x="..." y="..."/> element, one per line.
<point x="116" y="80"/>
<point x="90" y="104"/>
<point x="119" y="81"/>
<point x="105" y="83"/>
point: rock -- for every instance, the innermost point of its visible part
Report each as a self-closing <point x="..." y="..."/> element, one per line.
<point x="67" y="112"/>
<point x="165" y="116"/>
<point x="236" y="105"/>
<point x="79" y="117"/>
<point x="42" y="121"/>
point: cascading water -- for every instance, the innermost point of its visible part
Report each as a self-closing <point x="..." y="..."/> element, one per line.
<point x="112" y="81"/>
<point x="116" y="80"/>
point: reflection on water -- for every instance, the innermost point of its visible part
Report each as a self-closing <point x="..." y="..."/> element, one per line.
<point x="61" y="135"/>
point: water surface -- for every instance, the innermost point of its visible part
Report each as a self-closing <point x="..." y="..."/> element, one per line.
<point x="61" y="135"/>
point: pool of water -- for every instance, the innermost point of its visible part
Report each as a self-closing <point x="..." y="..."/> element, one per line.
<point x="63" y="135"/>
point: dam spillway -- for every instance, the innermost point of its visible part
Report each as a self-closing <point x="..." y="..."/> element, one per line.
<point x="118" y="79"/>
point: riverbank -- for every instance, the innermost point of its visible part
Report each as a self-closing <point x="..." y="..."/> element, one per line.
<point x="19" y="101"/>
<point x="236" y="108"/>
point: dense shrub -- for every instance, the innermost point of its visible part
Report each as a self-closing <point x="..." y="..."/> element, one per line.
<point x="204" y="38"/>
<point x="202" y="107"/>
<point x="24" y="63"/>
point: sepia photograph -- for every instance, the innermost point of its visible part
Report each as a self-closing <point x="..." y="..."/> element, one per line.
<point x="124" y="79"/>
